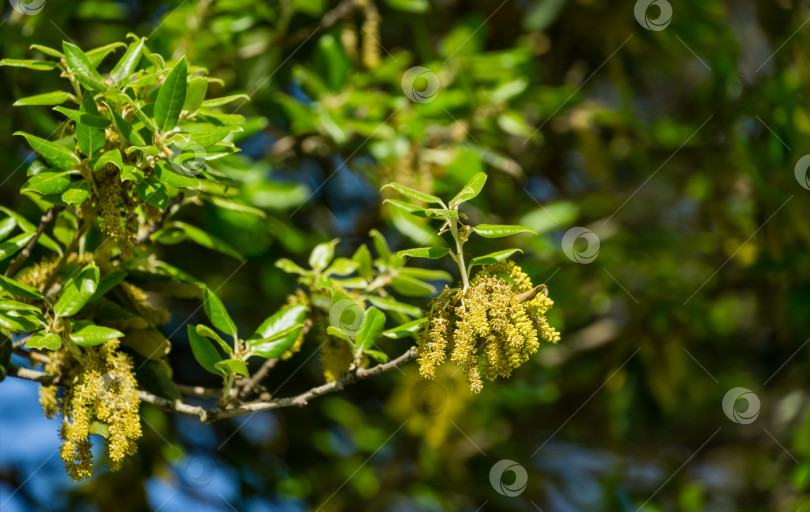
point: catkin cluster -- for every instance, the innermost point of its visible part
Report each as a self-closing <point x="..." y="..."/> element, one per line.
<point x="488" y="331"/>
<point x="99" y="396"/>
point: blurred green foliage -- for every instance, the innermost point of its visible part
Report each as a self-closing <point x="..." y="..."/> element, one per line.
<point x="675" y="147"/>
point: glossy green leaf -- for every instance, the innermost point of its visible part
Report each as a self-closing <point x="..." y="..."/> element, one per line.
<point x="425" y="252"/>
<point x="129" y="61"/>
<point x="390" y="304"/>
<point x="126" y="129"/>
<point x="77" y="193"/>
<point x="92" y="335"/>
<point x="107" y="282"/>
<point x="13" y="305"/>
<point x="37" y="65"/>
<point x="195" y="94"/>
<point x="18" y="289"/>
<point x="48" y="98"/>
<point x="47" y="50"/>
<point x="111" y="156"/>
<point x="47" y="183"/>
<point x="217" y="313"/>
<point x="167" y="174"/>
<point x="212" y="335"/>
<point x="90" y="139"/>
<point x="204" y="351"/>
<point x="10" y="247"/>
<point x="54" y="154"/>
<point x="7" y="225"/>
<point x="408" y="207"/>
<point x="97" y="55"/>
<point x="289" y="267"/>
<point x="92" y="120"/>
<point x="322" y="254"/>
<point x="27" y="226"/>
<point x="278" y="333"/>
<point x="153" y="192"/>
<point x="171" y="97"/>
<point x="371" y="329"/>
<point x="411" y="287"/>
<point x="76" y="292"/>
<point x="494" y="257"/>
<point x="363" y="258"/>
<point x="497" y="230"/>
<point x="44" y="341"/>
<point x="470" y="190"/>
<point x="341" y="267"/>
<point x="413" y="194"/>
<point x="234" y="366"/>
<point x="20" y="321"/>
<point x="80" y="66"/>
<point x="218" y="102"/>
<point x="405" y="330"/>
<point x="377" y="355"/>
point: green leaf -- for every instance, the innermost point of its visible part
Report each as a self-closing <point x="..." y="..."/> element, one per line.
<point x="90" y="139"/>
<point x="37" y="65"/>
<point x="341" y="267"/>
<point x="47" y="183"/>
<point x="13" y="305"/>
<point x="441" y="213"/>
<point x="217" y="313"/>
<point x="408" y="207"/>
<point x="426" y="274"/>
<point x="76" y="193"/>
<point x="202" y="238"/>
<point x="119" y="96"/>
<point x="363" y="258"/>
<point x="234" y="366"/>
<point x="470" y="190"/>
<point x="389" y="304"/>
<point x="171" y="97"/>
<point x="380" y="357"/>
<point x="111" y="156"/>
<point x="204" y="352"/>
<point x="371" y="329"/>
<point x="218" y="102"/>
<point x="380" y="245"/>
<point x="92" y="335"/>
<point x="414" y="194"/>
<point x="18" y="289"/>
<point x="97" y="55"/>
<point x="211" y="334"/>
<point x="500" y="230"/>
<point x="8" y="249"/>
<point x="411" y="287"/>
<point x="80" y="66"/>
<point x="107" y="283"/>
<point x="278" y="332"/>
<point x="289" y="267"/>
<point x="49" y="98"/>
<point x="405" y="330"/>
<point x="153" y="192"/>
<point x="129" y="133"/>
<point x="47" y="50"/>
<point x="322" y="254"/>
<point x="129" y="61"/>
<point x="7" y="225"/>
<point x="77" y="291"/>
<point x="26" y="225"/>
<point x="339" y="333"/>
<point x="492" y="258"/>
<point x="425" y="252"/>
<point x="20" y="321"/>
<point x="195" y="94"/>
<point x="42" y="341"/>
<point x="92" y="120"/>
<point x="54" y="154"/>
<point x="167" y="174"/>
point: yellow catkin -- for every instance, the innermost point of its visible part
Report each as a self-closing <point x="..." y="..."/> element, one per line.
<point x="371" y="35"/>
<point x="140" y="299"/>
<point x="487" y="330"/>
<point x="100" y="393"/>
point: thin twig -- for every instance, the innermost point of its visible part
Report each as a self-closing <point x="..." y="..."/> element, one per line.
<point x="44" y="222"/>
<point x="217" y="413"/>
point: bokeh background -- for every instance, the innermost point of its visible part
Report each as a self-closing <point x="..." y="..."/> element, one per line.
<point x="675" y="143"/>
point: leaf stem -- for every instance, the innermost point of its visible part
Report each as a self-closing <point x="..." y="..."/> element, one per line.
<point x="460" y="256"/>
